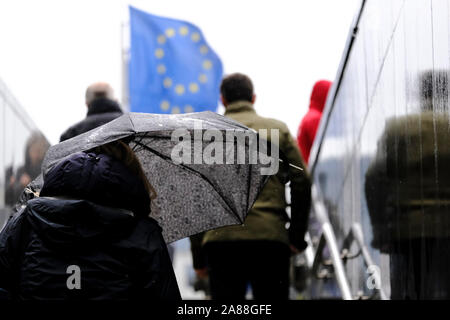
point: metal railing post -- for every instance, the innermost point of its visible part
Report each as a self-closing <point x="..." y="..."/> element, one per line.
<point x="328" y="233"/>
<point x="358" y="237"/>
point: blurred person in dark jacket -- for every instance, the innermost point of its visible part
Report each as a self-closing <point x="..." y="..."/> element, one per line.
<point x="407" y="189"/>
<point x="35" y="149"/>
<point x="310" y="123"/>
<point x="257" y="252"/>
<point x="102" y="108"/>
<point x="89" y="234"/>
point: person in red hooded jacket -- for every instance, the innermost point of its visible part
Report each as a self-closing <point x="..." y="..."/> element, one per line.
<point x="310" y="122"/>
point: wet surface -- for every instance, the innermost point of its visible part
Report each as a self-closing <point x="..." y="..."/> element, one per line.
<point x="384" y="160"/>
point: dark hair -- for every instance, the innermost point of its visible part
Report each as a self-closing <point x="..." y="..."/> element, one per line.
<point x="434" y="89"/>
<point x="37" y="145"/>
<point x="123" y="153"/>
<point x="235" y="87"/>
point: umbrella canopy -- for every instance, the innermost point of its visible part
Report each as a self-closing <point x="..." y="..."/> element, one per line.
<point x="192" y="197"/>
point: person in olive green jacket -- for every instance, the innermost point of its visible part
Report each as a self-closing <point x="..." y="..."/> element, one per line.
<point x="257" y="252"/>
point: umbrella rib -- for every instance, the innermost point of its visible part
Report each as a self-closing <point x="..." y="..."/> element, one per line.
<point x="139" y="142"/>
<point x="193" y="171"/>
<point x="132" y="123"/>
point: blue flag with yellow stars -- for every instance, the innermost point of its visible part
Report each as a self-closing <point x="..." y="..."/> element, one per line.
<point x="172" y="69"/>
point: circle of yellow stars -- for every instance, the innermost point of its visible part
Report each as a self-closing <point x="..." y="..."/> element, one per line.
<point x="165" y="106"/>
<point x="161" y="69"/>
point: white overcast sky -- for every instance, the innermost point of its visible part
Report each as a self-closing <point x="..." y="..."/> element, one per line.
<point x="51" y="50"/>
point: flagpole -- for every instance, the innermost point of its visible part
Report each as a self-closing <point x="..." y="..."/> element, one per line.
<point x="124" y="47"/>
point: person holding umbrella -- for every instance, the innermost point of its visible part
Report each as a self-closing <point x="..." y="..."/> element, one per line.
<point x="89" y="234"/>
<point x="94" y="200"/>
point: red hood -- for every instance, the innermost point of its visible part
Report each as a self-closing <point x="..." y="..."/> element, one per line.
<point x="319" y="95"/>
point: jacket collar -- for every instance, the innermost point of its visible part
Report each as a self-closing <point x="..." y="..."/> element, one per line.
<point x="103" y="105"/>
<point x="239" y="106"/>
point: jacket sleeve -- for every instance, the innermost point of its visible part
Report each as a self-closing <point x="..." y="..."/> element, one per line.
<point x="377" y="189"/>
<point x="300" y="185"/>
<point x="65" y="136"/>
<point x="69" y="133"/>
<point x="303" y="141"/>
<point x="198" y="254"/>
<point x="156" y="279"/>
<point x="11" y="247"/>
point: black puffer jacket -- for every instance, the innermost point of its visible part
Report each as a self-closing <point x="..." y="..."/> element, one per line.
<point x="100" y="111"/>
<point x="92" y="214"/>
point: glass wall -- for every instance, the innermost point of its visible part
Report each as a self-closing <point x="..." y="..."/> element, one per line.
<point x="385" y="149"/>
<point x="22" y="149"/>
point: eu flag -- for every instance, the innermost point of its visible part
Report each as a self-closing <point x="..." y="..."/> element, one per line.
<point x="172" y="68"/>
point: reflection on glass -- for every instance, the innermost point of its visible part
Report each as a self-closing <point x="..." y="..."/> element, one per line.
<point x="384" y="161"/>
<point x="408" y="195"/>
<point x="22" y="150"/>
<point x="17" y="180"/>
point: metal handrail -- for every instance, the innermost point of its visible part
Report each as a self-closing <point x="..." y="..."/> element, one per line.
<point x="329" y="239"/>
<point x="356" y="235"/>
<point x="332" y="94"/>
<point x="338" y="257"/>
